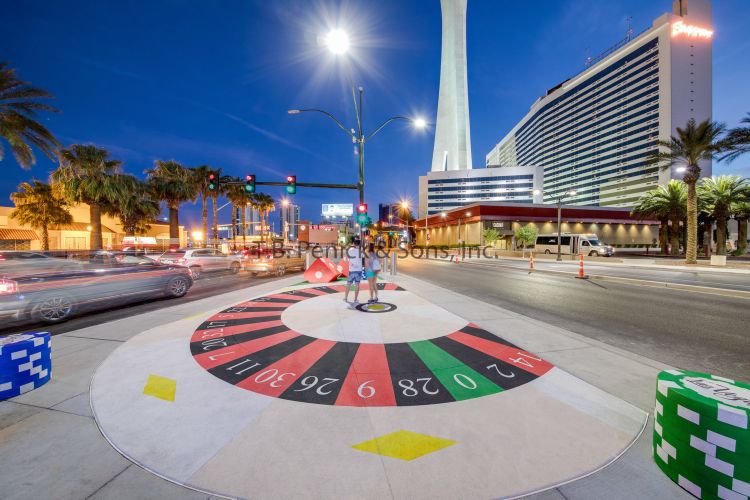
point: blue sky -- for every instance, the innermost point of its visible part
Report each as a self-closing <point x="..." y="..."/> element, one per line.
<point x="210" y="82"/>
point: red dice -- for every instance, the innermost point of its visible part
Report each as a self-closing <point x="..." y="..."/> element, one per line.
<point x="343" y="267"/>
<point x="322" y="270"/>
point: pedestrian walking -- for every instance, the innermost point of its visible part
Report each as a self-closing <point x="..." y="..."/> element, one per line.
<point x="371" y="270"/>
<point x="355" y="271"/>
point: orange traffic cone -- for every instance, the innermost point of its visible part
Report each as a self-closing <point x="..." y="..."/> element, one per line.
<point x="581" y="274"/>
<point x="531" y="263"/>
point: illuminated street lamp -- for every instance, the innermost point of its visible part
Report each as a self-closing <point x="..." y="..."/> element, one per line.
<point x="559" y="199"/>
<point x="337" y="41"/>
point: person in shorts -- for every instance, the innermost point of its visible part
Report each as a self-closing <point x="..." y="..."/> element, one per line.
<point x="355" y="271"/>
<point x="371" y="271"/>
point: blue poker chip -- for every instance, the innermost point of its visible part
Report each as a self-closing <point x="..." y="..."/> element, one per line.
<point x="25" y="363"/>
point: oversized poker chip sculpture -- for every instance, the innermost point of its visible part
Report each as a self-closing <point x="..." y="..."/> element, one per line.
<point x="25" y="363"/>
<point x="701" y="434"/>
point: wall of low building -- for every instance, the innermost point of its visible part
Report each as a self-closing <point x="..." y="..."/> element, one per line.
<point x="471" y="233"/>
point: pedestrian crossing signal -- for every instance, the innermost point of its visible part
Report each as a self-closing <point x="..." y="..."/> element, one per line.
<point x="291" y="184"/>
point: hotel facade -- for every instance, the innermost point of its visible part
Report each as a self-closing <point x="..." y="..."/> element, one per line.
<point x="592" y="134"/>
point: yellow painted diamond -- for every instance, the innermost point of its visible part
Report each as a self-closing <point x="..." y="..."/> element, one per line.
<point x="160" y="387"/>
<point x="404" y="445"/>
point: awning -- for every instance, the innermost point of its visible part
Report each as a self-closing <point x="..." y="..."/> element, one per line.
<point x="18" y="234"/>
<point x="81" y="226"/>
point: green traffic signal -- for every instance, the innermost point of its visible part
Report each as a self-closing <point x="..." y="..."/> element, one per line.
<point x="291" y="184"/>
<point x="213" y="182"/>
<point x="249" y="183"/>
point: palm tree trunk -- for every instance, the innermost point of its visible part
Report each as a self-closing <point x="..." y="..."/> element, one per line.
<point x="174" y="225"/>
<point x="663" y="228"/>
<point x="204" y="215"/>
<point x="708" y="236"/>
<point x="234" y="226"/>
<point x="216" y="220"/>
<point x="244" y="227"/>
<point x="674" y="237"/>
<point x="741" y="234"/>
<point x="721" y="236"/>
<point x="95" y="216"/>
<point x="45" y="238"/>
<point x="691" y="245"/>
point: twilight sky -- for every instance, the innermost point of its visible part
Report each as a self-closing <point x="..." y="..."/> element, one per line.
<point x="210" y="82"/>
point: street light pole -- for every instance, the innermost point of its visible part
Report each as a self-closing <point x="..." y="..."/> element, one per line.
<point x="559" y="227"/>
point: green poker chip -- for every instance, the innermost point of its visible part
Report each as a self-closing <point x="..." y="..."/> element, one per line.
<point x="698" y="465"/>
<point x="701" y="454"/>
<point x="681" y="419"/>
<point x="688" y="479"/>
<point x="715" y="397"/>
<point x="676" y="427"/>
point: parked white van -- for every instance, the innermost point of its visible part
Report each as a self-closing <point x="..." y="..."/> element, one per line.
<point x="587" y="244"/>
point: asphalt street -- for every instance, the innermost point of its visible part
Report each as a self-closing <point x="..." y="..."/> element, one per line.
<point x="207" y="286"/>
<point x="689" y="330"/>
<point x="636" y="270"/>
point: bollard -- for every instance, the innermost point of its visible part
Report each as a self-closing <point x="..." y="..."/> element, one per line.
<point x="531" y="263"/>
<point x="394" y="258"/>
<point x="581" y="274"/>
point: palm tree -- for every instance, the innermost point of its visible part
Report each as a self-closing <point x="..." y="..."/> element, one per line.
<point x="719" y="195"/>
<point x="265" y="205"/>
<point x="38" y="206"/>
<point x="692" y="144"/>
<point x="737" y="141"/>
<point x="87" y="175"/>
<point x="200" y="180"/>
<point x="741" y="213"/>
<point x="648" y="207"/>
<point x="138" y="209"/>
<point x="172" y="183"/>
<point x="668" y="204"/>
<point x="18" y="118"/>
<point x="239" y="198"/>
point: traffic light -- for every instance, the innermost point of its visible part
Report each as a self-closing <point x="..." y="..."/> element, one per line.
<point x="249" y="184"/>
<point x="362" y="218"/>
<point x="291" y="184"/>
<point x="213" y="182"/>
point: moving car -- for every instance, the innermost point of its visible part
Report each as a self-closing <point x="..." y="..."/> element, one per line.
<point x="276" y="262"/>
<point x="570" y="243"/>
<point x="201" y="260"/>
<point x="28" y="261"/>
<point x="53" y="297"/>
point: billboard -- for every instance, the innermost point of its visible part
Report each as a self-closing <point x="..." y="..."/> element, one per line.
<point x="337" y="210"/>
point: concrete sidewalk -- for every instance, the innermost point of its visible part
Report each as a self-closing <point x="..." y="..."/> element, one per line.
<point x="51" y="448"/>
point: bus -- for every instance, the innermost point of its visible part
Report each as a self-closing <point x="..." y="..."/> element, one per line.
<point x="571" y="244"/>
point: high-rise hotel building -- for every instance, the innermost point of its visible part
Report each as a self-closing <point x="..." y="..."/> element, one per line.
<point x="593" y="132"/>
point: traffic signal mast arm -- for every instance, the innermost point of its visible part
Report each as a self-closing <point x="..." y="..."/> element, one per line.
<point x="300" y="184"/>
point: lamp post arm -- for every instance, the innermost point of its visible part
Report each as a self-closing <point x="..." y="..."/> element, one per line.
<point x="335" y="120"/>
<point x="389" y="120"/>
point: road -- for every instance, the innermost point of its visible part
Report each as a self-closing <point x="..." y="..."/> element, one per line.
<point x="689" y="330"/>
<point x="208" y="285"/>
<point x="636" y="270"/>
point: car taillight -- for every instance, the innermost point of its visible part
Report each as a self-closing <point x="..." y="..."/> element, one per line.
<point x="2" y="257"/>
<point x="8" y="287"/>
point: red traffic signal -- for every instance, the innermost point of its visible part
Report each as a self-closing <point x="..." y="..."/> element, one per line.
<point x="362" y="208"/>
<point x="290" y="178"/>
<point x="249" y="177"/>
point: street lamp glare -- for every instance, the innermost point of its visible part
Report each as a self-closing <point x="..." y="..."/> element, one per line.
<point x="404" y="205"/>
<point x="681" y="169"/>
<point x="293" y="112"/>
<point x="443" y="214"/>
<point x="537" y="191"/>
<point x="573" y="192"/>
<point x="337" y="41"/>
<point x="420" y="123"/>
